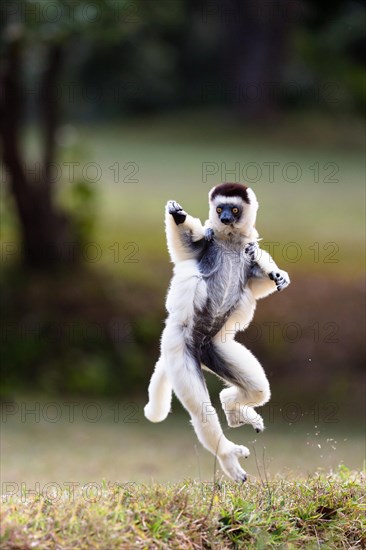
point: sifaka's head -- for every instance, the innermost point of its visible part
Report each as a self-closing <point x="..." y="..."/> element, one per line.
<point x="233" y="209"/>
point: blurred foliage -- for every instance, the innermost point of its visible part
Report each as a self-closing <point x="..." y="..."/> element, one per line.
<point x="82" y="207"/>
<point x="143" y="56"/>
<point x="63" y="335"/>
<point x="332" y="59"/>
<point x="72" y="334"/>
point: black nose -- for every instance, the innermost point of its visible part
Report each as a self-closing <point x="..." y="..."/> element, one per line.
<point x="226" y="220"/>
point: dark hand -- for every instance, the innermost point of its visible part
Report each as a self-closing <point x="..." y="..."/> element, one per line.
<point x="252" y="250"/>
<point x="177" y="212"/>
<point x="209" y="234"/>
<point x="280" y="278"/>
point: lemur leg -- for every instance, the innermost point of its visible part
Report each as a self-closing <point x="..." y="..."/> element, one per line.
<point x="250" y="390"/>
<point x="249" y="386"/>
<point x="183" y="371"/>
<point x="160" y="394"/>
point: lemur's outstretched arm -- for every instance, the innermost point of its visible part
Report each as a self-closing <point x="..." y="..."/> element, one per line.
<point x="267" y="277"/>
<point x="183" y="233"/>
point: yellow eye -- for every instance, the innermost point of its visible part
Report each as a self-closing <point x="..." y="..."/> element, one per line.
<point x="218" y="210"/>
<point x="235" y="210"/>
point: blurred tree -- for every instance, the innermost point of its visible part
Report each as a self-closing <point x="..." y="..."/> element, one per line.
<point x="44" y="228"/>
<point x="255" y="38"/>
<point x="52" y="30"/>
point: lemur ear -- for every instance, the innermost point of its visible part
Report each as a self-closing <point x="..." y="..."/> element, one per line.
<point x="252" y="199"/>
<point x="210" y="193"/>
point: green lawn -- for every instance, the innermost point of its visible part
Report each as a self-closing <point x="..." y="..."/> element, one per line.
<point x="121" y="445"/>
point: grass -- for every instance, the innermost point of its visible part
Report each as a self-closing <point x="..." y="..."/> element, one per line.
<point x="326" y="511"/>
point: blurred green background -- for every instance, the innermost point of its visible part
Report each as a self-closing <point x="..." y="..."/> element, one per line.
<point x="110" y="108"/>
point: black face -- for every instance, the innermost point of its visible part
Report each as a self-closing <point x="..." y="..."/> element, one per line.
<point x="228" y="213"/>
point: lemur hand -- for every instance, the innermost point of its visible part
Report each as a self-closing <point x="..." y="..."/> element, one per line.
<point x="252" y="250"/>
<point x="209" y="234"/>
<point x="281" y="279"/>
<point x="177" y="212"/>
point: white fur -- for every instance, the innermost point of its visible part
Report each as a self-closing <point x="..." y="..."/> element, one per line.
<point x="176" y="369"/>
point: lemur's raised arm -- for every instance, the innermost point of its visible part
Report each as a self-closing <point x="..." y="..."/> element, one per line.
<point x="182" y="232"/>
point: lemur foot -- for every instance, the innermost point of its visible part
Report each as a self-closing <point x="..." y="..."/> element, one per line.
<point x="281" y="279"/>
<point x="258" y="423"/>
<point x="238" y="414"/>
<point x="229" y="462"/>
<point x="245" y="415"/>
<point x="209" y="234"/>
<point x="177" y="212"/>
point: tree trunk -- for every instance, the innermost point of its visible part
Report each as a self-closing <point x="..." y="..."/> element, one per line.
<point x="255" y="37"/>
<point x="45" y="231"/>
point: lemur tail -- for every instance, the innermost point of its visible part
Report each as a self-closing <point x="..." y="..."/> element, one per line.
<point x="160" y="394"/>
